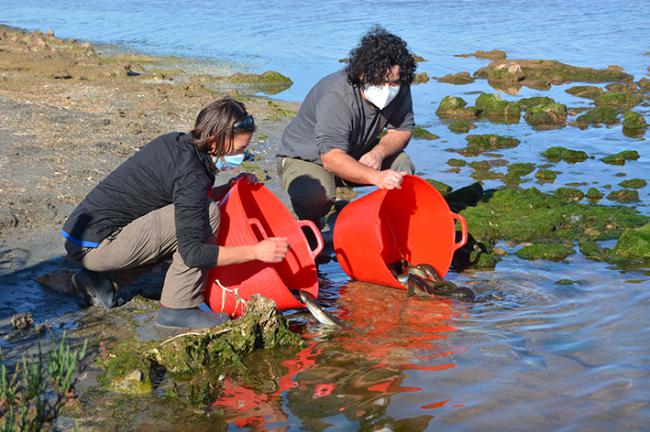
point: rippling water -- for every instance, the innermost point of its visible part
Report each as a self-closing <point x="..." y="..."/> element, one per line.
<point x="532" y="354"/>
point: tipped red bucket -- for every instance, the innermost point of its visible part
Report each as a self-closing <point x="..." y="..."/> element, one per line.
<point x="250" y="213"/>
<point x="412" y="223"/>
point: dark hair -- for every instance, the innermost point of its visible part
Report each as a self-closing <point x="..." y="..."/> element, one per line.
<point x="373" y="58"/>
<point x="217" y="121"/>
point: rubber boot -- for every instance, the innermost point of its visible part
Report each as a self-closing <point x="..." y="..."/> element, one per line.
<point x="97" y="289"/>
<point x="193" y="318"/>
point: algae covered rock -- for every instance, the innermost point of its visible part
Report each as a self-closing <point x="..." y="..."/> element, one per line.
<point x="518" y="170"/>
<point x="594" y="195"/>
<point x="270" y="82"/>
<point x="441" y="187"/>
<point x="634" y="120"/>
<point x="492" y="54"/>
<point x="456" y="162"/>
<point x="457" y="78"/>
<point x="546" y="251"/>
<point x="568" y="195"/>
<point x="461" y="126"/>
<point x="545" y="175"/>
<point x="493" y="107"/>
<point x="421" y="78"/>
<point x="620" y="101"/>
<point x="424" y="134"/>
<point x="635" y="183"/>
<point x="543" y="116"/>
<point x="455" y="108"/>
<point x="465" y="197"/>
<point x="621" y="157"/>
<point x="541" y="74"/>
<point x="526" y="103"/>
<point x="559" y="153"/>
<point x="130" y="364"/>
<point x="599" y="115"/>
<point x="478" y="144"/>
<point x="588" y="92"/>
<point x="633" y="245"/>
<point x="624" y="196"/>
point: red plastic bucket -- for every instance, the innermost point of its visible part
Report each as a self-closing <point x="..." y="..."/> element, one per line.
<point x="250" y="213"/>
<point x="412" y="223"/>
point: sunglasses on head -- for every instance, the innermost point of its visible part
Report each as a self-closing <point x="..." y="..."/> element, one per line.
<point x="247" y="123"/>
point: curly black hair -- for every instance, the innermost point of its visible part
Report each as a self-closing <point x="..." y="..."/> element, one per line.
<point x="373" y="58"/>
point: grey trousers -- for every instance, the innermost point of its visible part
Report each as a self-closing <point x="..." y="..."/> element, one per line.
<point x="146" y="241"/>
<point x="312" y="188"/>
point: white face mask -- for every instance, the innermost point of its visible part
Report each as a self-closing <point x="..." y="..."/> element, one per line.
<point x="380" y="96"/>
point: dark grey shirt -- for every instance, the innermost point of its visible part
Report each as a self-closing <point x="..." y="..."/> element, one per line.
<point x="334" y="115"/>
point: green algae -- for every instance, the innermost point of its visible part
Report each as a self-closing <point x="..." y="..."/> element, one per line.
<point x="635" y="183"/>
<point x="594" y="195"/>
<point x="491" y="106"/>
<point x="546" y="116"/>
<point x="270" y="82"/>
<point x="456" y="162"/>
<point x="621" y="157"/>
<point x="478" y="144"/>
<point x="565" y="282"/>
<point x="634" y="120"/>
<point x="546" y="175"/>
<point x="624" y="196"/>
<point x="568" y="195"/>
<point x="461" y="126"/>
<point x="453" y="107"/>
<point x="618" y="100"/>
<point x="599" y="115"/>
<point x="559" y="153"/>
<point x="588" y="92"/>
<point x="424" y="134"/>
<point x="459" y="78"/>
<point x="528" y="215"/>
<point x="492" y="54"/>
<point x="546" y="251"/>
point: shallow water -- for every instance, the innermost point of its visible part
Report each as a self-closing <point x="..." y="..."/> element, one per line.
<point x="531" y="354"/>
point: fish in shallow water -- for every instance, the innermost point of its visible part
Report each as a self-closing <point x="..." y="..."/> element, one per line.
<point x="321" y="315"/>
<point x="423" y="280"/>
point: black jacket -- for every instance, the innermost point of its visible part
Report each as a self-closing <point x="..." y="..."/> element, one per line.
<point x="168" y="170"/>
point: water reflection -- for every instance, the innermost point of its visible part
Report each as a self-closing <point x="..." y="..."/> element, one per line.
<point x="360" y="377"/>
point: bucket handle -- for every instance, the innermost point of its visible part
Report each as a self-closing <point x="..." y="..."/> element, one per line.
<point x="319" y="238"/>
<point x="463" y="230"/>
<point x="258" y="225"/>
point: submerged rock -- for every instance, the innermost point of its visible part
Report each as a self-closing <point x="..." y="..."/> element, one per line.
<point x="568" y="195"/>
<point x="461" y="126"/>
<point x="589" y="92"/>
<point x="457" y="78"/>
<point x="624" y="196"/>
<point x="632" y="246"/>
<point x="546" y="251"/>
<point x="599" y="115"/>
<point x="270" y="82"/>
<point x="541" y="74"/>
<point x="491" y="106"/>
<point x="421" y="78"/>
<point x="526" y="103"/>
<point x="456" y="162"/>
<point x="492" y="54"/>
<point x="455" y="108"/>
<point x="594" y="195"/>
<point x="477" y="144"/>
<point x="559" y="153"/>
<point x="518" y="170"/>
<point x="621" y="157"/>
<point x="544" y="116"/>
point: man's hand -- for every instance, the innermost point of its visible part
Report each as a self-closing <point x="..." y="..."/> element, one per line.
<point x="389" y="179"/>
<point x="372" y="159"/>
<point x="272" y="249"/>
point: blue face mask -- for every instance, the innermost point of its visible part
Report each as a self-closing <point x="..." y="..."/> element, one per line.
<point x="229" y="161"/>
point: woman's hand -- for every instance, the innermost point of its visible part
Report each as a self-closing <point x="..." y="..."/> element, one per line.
<point x="272" y="249"/>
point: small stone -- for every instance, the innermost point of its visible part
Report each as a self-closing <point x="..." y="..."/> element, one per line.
<point x="22" y="321"/>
